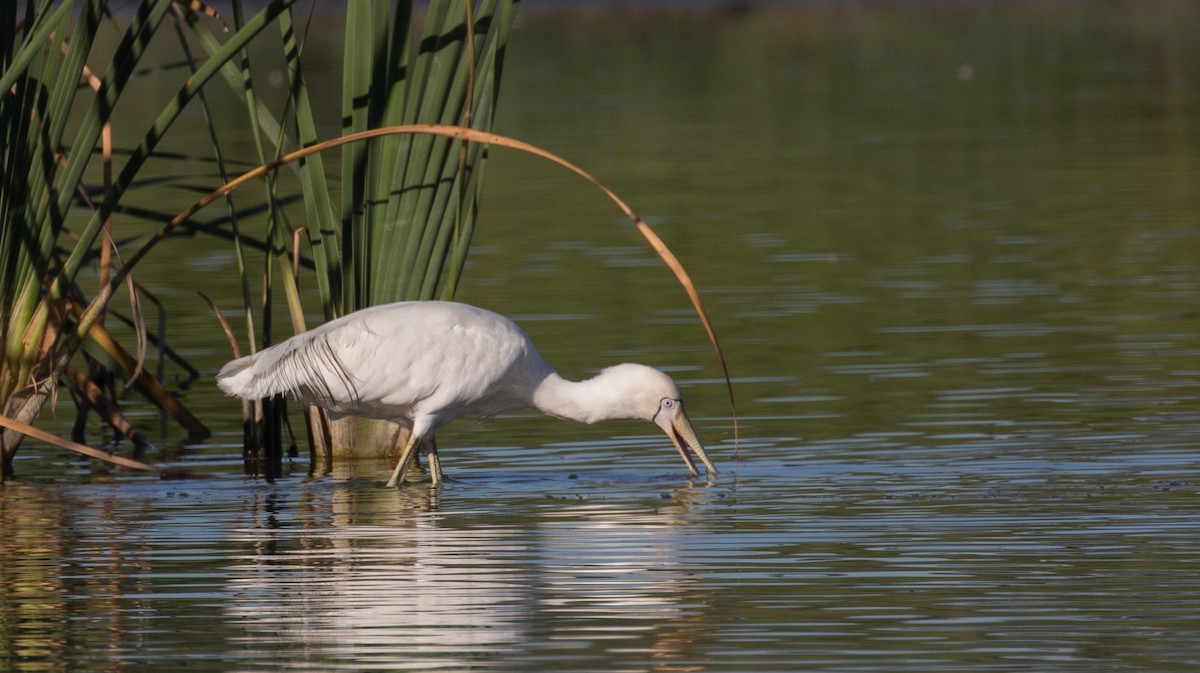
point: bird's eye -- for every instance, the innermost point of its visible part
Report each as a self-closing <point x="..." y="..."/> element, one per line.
<point x="668" y="403"/>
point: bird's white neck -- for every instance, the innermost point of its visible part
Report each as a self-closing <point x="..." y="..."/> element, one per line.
<point x="595" y="399"/>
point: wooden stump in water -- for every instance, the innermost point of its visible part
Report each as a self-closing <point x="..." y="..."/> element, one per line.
<point x="353" y="445"/>
<point x="345" y="447"/>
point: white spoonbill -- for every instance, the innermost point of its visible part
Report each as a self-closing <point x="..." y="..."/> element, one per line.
<point x="424" y="363"/>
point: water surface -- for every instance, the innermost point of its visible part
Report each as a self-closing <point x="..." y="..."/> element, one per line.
<point x="951" y="252"/>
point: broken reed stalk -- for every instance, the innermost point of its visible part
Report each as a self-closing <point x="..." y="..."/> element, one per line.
<point x="88" y="451"/>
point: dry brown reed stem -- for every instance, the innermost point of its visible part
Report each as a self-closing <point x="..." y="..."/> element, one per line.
<point x="44" y="436"/>
<point x="449" y="131"/>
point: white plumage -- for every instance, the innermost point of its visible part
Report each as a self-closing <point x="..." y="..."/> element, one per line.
<point x="426" y="363"/>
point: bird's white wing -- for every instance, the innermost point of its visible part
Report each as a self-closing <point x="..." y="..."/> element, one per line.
<point x="397" y="361"/>
<point x="455" y="360"/>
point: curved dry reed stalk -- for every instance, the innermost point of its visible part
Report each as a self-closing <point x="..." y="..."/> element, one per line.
<point x="459" y="133"/>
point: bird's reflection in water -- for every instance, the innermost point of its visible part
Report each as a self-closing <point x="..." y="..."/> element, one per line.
<point x="361" y="577"/>
<point x="619" y="574"/>
<point x="398" y="590"/>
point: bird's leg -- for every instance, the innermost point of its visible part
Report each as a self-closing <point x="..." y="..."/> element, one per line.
<point x="406" y="456"/>
<point x="435" y="465"/>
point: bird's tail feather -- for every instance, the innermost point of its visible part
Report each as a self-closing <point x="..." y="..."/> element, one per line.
<point x="237" y="378"/>
<point x="306" y="368"/>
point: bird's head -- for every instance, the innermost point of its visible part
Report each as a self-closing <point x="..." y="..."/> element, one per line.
<point x="648" y="394"/>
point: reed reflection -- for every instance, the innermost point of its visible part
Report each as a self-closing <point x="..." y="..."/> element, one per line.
<point x="72" y="562"/>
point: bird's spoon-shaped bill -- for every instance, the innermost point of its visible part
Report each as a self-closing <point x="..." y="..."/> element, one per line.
<point x="679" y="429"/>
